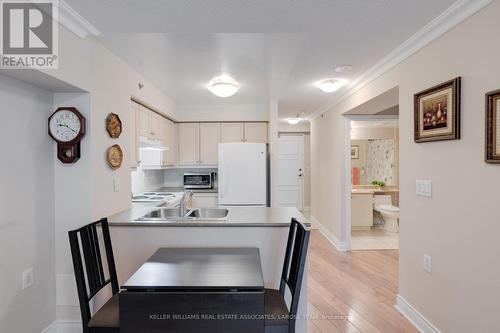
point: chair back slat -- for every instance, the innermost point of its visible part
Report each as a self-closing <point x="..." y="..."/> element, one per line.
<point x="294" y="265"/>
<point x="88" y="264"/>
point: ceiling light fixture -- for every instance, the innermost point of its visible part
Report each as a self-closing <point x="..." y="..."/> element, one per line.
<point x="343" y="68"/>
<point x="330" y="85"/>
<point x="223" y="86"/>
<point x="294" y="121"/>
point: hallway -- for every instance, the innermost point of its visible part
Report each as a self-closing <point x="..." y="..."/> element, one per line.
<point x="355" y="290"/>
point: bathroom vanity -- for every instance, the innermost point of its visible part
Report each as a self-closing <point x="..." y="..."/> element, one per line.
<point x="362" y="204"/>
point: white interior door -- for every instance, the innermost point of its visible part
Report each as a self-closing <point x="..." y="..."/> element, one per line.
<point x="290" y="175"/>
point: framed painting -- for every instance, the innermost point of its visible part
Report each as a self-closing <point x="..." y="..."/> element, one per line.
<point x="493" y="127"/>
<point x="354" y="152"/>
<point x="437" y="112"/>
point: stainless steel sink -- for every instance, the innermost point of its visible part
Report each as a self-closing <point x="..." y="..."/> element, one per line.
<point x="209" y="213"/>
<point x="177" y="214"/>
<point x="163" y="214"/>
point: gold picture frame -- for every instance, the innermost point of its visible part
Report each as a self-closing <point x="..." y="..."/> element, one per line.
<point x="437" y="112"/>
<point x="354" y="152"/>
<point x="493" y="127"/>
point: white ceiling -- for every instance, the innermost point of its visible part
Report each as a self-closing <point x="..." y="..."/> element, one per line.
<point x="274" y="48"/>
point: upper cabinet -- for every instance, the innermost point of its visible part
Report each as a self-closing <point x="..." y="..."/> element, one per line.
<point x="171" y="137"/>
<point x="134" y="151"/>
<point x="149" y="123"/>
<point x="198" y="143"/>
<point x="209" y="143"/>
<point x="244" y="132"/>
<point x="232" y="132"/>
<point x="256" y="132"/>
<point x="154" y="126"/>
<point x="189" y="143"/>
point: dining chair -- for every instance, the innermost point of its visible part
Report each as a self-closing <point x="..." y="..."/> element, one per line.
<point x="279" y="317"/>
<point x="90" y="271"/>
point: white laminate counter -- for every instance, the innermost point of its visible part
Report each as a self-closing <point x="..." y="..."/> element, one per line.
<point x="238" y="217"/>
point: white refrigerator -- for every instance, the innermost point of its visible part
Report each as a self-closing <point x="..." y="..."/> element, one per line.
<point x="242" y="176"/>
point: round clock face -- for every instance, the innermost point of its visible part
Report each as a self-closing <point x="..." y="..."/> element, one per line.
<point x="65" y="125"/>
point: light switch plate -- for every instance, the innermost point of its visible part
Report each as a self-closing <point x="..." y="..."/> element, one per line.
<point x="28" y="278"/>
<point x="424" y="188"/>
<point x="427" y="263"/>
<point x="116" y="184"/>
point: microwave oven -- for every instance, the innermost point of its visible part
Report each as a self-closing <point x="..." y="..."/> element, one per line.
<point x="198" y="180"/>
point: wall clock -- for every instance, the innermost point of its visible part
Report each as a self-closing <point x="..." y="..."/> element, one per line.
<point x="114" y="125"/>
<point x="67" y="128"/>
<point x="115" y="157"/>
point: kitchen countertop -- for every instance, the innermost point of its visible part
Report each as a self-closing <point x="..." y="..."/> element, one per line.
<point x="182" y="189"/>
<point x="372" y="191"/>
<point x="238" y="217"/>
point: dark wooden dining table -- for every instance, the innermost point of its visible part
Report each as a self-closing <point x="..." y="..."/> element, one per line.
<point x="195" y="290"/>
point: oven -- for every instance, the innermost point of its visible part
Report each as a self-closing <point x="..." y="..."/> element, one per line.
<point x="195" y="180"/>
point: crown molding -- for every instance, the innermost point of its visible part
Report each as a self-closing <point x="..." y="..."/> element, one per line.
<point x="74" y="22"/>
<point x="452" y="16"/>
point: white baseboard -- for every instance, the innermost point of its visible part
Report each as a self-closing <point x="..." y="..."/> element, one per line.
<point x="340" y="246"/>
<point x="415" y="317"/>
<point x="64" y="326"/>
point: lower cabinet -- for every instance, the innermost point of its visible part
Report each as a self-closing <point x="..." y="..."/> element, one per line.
<point x="204" y="200"/>
<point x="362" y="211"/>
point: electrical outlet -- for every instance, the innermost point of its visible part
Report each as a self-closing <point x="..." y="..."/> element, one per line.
<point x="424" y="188"/>
<point x="28" y="278"/>
<point x="427" y="263"/>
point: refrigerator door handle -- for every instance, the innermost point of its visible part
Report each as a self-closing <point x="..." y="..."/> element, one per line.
<point x="221" y="171"/>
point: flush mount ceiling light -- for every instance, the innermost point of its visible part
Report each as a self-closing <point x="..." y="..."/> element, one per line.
<point x="330" y="85"/>
<point x="294" y="121"/>
<point x="223" y="86"/>
<point x="343" y="68"/>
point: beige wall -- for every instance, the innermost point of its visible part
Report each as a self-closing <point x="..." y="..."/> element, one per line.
<point x="26" y="207"/>
<point x="459" y="225"/>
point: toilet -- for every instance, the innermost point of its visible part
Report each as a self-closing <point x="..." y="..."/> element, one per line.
<point x="390" y="213"/>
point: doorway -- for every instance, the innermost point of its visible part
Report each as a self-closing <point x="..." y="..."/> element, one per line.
<point x="291" y="171"/>
<point x="374" y="180"/>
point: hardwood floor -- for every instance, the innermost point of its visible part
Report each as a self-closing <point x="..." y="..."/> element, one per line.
<point x="353" y="291"/>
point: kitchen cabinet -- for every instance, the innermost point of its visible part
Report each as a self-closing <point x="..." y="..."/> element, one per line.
<point x="172" y="144"/>
<point x="198" y="143"/>
<point x="204" y="200"/>
<point x="244" y="132"/>
<point x="168" y="139"/>
<point x="256" y="132"/>
<point x="155" y="125"/>
<point x="209" y="143"/>
<point x="150" y="123"/>
<point x="134" y="126"/>
<point x="189" y="143"/>
<point x="143" y="121"/>
<point x="232" y="132"/>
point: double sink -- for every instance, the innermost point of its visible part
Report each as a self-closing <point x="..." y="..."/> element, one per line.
<point x="178" y="214"/>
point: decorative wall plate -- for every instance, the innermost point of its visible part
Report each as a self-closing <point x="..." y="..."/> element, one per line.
<point x="114" y="125"/>
<point x="115" y="157"/>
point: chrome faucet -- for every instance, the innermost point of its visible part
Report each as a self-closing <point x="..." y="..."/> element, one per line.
<point x="185" y="197"/>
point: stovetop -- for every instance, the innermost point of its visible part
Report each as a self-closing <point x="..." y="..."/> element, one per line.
<point x="157" y="197"/>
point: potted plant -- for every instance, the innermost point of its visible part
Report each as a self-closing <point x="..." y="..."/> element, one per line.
<point x="379" y="183"/>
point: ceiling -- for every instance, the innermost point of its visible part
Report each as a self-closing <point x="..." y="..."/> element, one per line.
<point x="276" y="49"/>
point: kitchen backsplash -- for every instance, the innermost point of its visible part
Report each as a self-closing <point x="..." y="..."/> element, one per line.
<point x="149" y="180"/>
<point x="146" y="180"/>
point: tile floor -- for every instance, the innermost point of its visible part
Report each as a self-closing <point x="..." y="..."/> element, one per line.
<point x="375" y="239"/>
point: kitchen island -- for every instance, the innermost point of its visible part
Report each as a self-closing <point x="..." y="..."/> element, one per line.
<point x="258" y="227"/>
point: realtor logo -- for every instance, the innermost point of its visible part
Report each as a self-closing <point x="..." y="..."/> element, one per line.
<point x="29" y="34"/>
